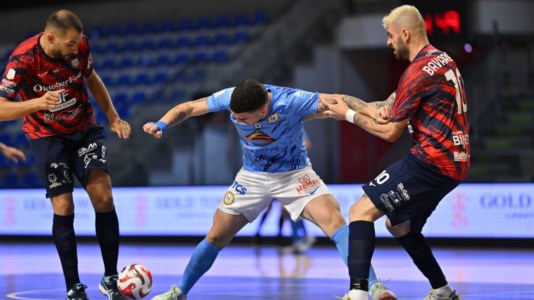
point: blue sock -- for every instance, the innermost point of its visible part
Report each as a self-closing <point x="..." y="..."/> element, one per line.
<point x="200" y="262"/>
<point x="299" y="231"/>
<point x="341" y="239"/>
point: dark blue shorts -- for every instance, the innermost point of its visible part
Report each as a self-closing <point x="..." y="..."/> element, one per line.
<point x="409" y="190"/>
<point x="58" y="158"/>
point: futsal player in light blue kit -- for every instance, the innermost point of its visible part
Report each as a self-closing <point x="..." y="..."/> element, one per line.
<point x="269" y="120"/>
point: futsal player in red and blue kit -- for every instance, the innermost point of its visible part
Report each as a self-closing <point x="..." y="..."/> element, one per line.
<point x="44" y="83"/>
<point x="429" y="100"/>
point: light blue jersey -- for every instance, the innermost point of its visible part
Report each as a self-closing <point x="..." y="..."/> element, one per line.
<point x="276" y="143"/>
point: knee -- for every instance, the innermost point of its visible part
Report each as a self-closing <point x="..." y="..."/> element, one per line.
<point x="217" y="240"/>
<point x="398" y="230"/>
<point x="355" y="214"/>
<point x="103" y="203"/>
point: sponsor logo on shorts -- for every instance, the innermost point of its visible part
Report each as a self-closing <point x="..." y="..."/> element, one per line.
<point x="387" y="203"/>
<point x="314" y="190"/>
<point x="228" y="198"/>
<point x="395" y="198"/>
<point x="306" y="183"/>
<point x="241" y="189"/>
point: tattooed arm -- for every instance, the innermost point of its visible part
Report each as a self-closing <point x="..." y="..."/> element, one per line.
<point x="322" y="109"/>
<point x="178" y="114"/>
<point x="372" y="117"/>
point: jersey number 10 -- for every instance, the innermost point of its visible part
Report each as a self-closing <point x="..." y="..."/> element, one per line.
<point x="456" y="78"/>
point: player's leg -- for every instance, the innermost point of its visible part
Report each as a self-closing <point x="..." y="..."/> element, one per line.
<point x="225" y="226"/>
<point x="324" y="211"/>
<point x="65" y="238"/>
<point x="52" y="166"/>
<point x="361" y="247"/>
<point x="244" y="200"/>
<point x="91" y="169"/>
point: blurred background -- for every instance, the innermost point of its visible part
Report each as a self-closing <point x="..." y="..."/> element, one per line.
<point x="155" y="54"/>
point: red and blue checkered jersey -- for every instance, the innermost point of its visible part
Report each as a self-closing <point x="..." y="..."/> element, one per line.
<point x="30" y="73"/>
<point x="431" y="94"/>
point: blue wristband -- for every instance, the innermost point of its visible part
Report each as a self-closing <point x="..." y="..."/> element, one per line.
<point x="161" y="125"/>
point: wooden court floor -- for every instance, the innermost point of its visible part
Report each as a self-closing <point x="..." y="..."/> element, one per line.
<point x="31" y="271"/>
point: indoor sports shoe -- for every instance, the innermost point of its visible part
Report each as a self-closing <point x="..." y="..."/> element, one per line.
<point x="379" y="291"/>
<point x="108" y="287"/>
<point x="77" y="292"/>
<point x="356" y="295"/>
<point x="173" y="294"/>
<point x="433" y="296"/>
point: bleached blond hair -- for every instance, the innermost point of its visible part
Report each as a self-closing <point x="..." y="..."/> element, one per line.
<point x="406" y="16"/>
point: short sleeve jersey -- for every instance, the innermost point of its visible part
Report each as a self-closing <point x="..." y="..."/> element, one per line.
<point x="431" y="94"/>
<point x="276" y="143"/>
<point x="30" y="73"/>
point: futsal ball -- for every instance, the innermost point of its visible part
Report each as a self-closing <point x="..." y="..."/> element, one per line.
<point x="135" y="281"/>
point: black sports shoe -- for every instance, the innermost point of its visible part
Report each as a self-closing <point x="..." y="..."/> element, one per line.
<point x="108" y="287"/>
<point x="77" y="292"/>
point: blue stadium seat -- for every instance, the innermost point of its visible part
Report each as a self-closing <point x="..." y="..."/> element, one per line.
<point x="165" y="43"/>
<point x="160" y="78"/>
<point x="224" y="21"/>
<point x="142" y="79"/>
<point x="186" y="24"/>
<point x="242" y="19"/>
<point x="260" y="18"/>
<point x="220" y="56"/>
<point x="182" y="59"/>
<point x="204" y="23"/>
<point x="164" y="60"/>
<point x="241" y="37"/>
<point x="223" y="39"/>
<point x="138" y="98"/>
<point x="184" y="41"/>
<point x="203" y="40"/>
<point x="201" y="57"/>
<point x="129" y="45"/>
<point x="147" y="44"/>
<point x="123" y="80"/>
<point x="125" y="62"/>
<point x="132" y="29"/>
<point x="167" y="26"/>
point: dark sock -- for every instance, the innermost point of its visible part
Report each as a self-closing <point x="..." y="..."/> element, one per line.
<point x="65" y="241"/>
<point x="361" y="248"/>
<point x="421" y="253"/>
<point x="107" y="233"/>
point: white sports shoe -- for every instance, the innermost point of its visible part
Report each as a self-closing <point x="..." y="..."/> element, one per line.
<point x="434" y="296"/>
<point x="379" y="291"/>
<point x="173" y="294"/>
<point x="356" y="295"/>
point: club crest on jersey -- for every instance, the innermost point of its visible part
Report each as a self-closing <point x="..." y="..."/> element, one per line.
<point x="259" y="138"/>
<point x="273" y="118"/>
<point x="229" y="198"/>
<point x="75" y="63"/>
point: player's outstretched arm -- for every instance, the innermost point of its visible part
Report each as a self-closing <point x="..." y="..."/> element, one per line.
<point x="12" y="153"/>
<point x="177" y="115"/>
<point x="99" y="91"/>
<point x="12" y="110"/>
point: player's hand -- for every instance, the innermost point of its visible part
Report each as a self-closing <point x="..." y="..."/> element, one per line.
<point x="336" y="107"/>
<point x="153" y="129"/>
<point x="49" y="100"/>
<point x="120" y="127"/>
<point x="383" y="115"/>
<point x="13" y="153"/>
